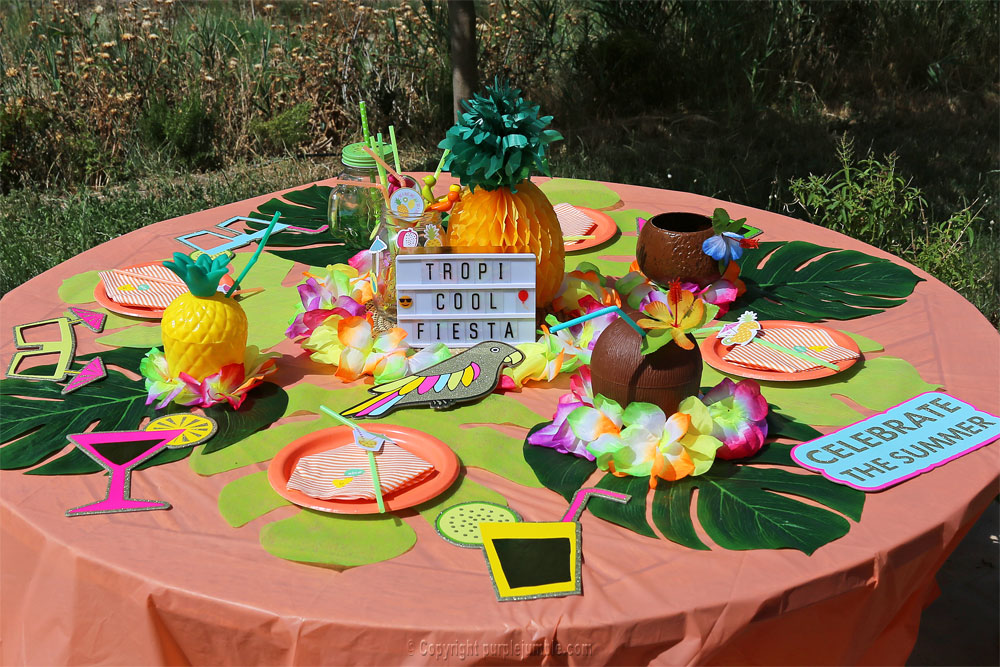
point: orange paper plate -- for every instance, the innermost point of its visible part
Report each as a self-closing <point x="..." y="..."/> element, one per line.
<point x="146" y="313"/>
<point x="712" y="351"/>
<point x="418" y="443"/>
<point x="605" y="229"/>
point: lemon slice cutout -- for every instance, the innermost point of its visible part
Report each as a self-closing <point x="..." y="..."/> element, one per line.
<point x="197" y="429"/>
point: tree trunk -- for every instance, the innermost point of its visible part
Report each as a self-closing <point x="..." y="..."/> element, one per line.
<point x="464" y="71"/>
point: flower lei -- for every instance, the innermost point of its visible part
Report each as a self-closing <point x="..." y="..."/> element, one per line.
<point x="728" y="422"/>
<point x="336" y="327"/>
<point x="586" y="290"/>
<point x="231" y="384"/>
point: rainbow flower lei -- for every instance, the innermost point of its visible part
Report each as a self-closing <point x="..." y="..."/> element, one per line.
<point x="728" y="422"/>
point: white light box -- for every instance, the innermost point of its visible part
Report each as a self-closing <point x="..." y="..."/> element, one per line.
<point x="461" y="299"/>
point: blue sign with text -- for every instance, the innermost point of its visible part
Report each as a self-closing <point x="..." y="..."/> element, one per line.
<point x="903" y="442"/>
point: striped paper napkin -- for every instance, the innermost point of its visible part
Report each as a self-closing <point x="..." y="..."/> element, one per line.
<point x="152" y="286"/>
<point x="343" y="473"/>
<point x="573" y="221"/>
<point x="814" y="342"/>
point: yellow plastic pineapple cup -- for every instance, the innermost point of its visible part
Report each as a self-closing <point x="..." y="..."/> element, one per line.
<point x="203" y="330"/>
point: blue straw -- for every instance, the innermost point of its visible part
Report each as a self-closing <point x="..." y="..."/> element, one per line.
<point x="598" y="313"/>
<point x="256" y="254"/>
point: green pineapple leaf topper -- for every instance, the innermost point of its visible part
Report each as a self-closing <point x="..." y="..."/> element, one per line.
<point x="499" y="140"/>
<point x="202" y="276"/>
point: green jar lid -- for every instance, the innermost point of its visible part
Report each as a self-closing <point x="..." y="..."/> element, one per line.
<point x="353" y="155"/>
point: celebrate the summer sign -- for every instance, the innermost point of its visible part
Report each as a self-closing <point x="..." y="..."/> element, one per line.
<point x="923" y="433"/>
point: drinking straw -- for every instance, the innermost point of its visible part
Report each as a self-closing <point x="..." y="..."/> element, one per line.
<point x="578" y="237"/>
<point x="371" y="455"/>
<point x="256" y="254"/>
<point x="583" y="495"/>
<point x="375" y="146"/>
<point x="775" y="346"/>
<point x="795" y="353"/>
<point x="598" y="313"/>
<point x="364" y="122"/>
<point x="395" y="149"/>
<point x="444" y="156"/>
<point x="382" y="162"/>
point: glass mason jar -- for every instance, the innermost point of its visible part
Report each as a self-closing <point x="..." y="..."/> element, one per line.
<point x="355" y="209"/>
<point x="397" y="233"/>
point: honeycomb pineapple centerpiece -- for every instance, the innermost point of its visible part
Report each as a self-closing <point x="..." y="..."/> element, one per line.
<point x="494" y="147"/>
<point x="203" y="330"/>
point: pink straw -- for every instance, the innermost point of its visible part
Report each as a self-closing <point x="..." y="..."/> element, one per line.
<point x="583" y="495"/>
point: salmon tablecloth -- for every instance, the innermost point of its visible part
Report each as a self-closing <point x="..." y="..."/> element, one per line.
<point x="182" y="586"/>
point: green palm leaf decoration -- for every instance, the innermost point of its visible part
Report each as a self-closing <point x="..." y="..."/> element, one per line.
<point x="499" y="140"/>
<point x="808" y="283"/>
<point x="308" y="208"/>
<point x="740" y="505"/>
<point x="37" y="418"/>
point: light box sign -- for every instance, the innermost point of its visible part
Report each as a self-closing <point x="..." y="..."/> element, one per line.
<point x="464" y="299"/>
<point x="916" y="436"/>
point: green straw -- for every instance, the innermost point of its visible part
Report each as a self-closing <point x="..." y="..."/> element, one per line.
<point x="780" y="348"/>
<point x="395" y="149"/>
<point x="437" y="172"/>
<point x="376" y="145"/>
<point x="256" y="254"/>
<point x="371" y="455"/>
<point x="795" y="353"/>
<point x="364" y="122"/>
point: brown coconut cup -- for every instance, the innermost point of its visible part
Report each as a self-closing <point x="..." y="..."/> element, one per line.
<point x="669" y="247"/>
<point x="618" y="370"/>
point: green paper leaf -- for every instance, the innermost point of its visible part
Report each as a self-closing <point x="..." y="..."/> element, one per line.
<point x="317" y="538"/>
<point x="268" y="312"/>
<point x="254" y="448"/>
<point x="464" y="490"/>
<point x="247" y="498"/>
<point x="839" y="284"/>
<point x="877" y="384"/>
<point x="330" y="539"/>
<point x="578" y="192"/>
<point x="138" y="336"/>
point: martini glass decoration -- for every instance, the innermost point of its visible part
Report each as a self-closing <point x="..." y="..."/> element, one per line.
<point x="119" y="452"/>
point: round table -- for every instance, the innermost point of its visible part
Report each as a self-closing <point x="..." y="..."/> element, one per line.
<point x="183" y="586"/>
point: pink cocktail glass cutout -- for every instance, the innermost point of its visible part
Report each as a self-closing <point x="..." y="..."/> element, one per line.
<point x="119" y="452"/>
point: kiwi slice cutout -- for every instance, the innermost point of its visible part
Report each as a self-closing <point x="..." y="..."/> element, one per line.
<point x="459" y="524"/>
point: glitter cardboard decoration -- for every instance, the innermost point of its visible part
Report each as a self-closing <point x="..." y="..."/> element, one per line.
<point x="119" y="452"/>
<point x="239" y="240"/>
<point x="465" y="377"/>
<point x="459" y="524"/>
<point x="539" y="559"/>
<point x="197" y="428"/>
<point x="64" y="347"/>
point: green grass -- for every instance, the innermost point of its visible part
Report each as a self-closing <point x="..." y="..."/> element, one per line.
<point x="740" y="101"/>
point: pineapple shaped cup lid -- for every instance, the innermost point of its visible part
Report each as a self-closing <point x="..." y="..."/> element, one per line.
<point x="203" y="330"/>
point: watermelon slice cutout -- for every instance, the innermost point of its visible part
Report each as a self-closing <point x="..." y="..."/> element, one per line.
<point x="92" y="372"/>
<point x="90" y="319"/>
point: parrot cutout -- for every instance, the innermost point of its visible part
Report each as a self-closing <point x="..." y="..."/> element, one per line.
<point x="467" y="376"/>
